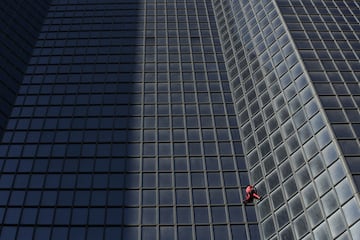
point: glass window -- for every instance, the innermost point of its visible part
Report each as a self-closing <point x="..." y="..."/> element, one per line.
<point x="322" y="231"/>
<point x="82" y="198"/>
<point x="337" y="222"/>
<point x="182" y="197"/>
<point x="165" y="197"/>
<point x="45" y="215"/>
<point x="294" y="104"/>
<point x="199" y="196"/>
<point x="287" y="233"/>
<point x="282" y="217"/>
<point x="148" y="197"/>
<point x="269" y="164"/>
<point x="10" y="232"/>
<point x="323" y="138"/>
<point x="216" y="196"/>
<point x="276" y="138"/>
<point x="290" y="187"/>
<point x="131" y="215"/>
<point x="310" y="148"/>
<point x="316" y="165"/>
<point x="149" y="180"/>
<point x="49" y="198"/>
<point x="232" y="196"/>
<point x="181" y="180"/>
<point x="317" y="122"/>
<point x="323" y="183"/>
<point x="230" y="179"/>
<point x="268" y="227"/>
<point x="196" y="164"/>
<point x="254" y="231"/>
<point x="337" y="172"/>
<point x="165" y="180"/>
<point x="59" y="233"/>
<point x="185" y="232"/>
<point x="336" y="116"/>
<point x="202" y="232"/>
<point x="281" y="153"/>
<point x="299" y="118"/>
<point x="78" y="233"/>
<point x="351" y="212"/>
<point x="349" y="147"/>
<point x="329" y="203"/>
<point x="301" y="226"/>
<point x="62" y="216"/>
<point x="25" y="232"/>
<point x="305" y="133"/>
<point x="130" y="233"/>
<point x="218" y="214"/>
<point x="285" y="170"/>
<point x="184" y="215"/>
<point x="302" y="176"/>
<point x="261" y="134"/>
<point x="114" y="216"/>
<point x="315" y="215"/>
<point x="197" y="179"/>
<point x="166" y="215"/>
<point x="29" y="216"/>
<point x="98" y="198"/>
<point x="256" y="173"/>
<point x="239" y="230"/>
<point x="214" y="180"/>
<point x="201" y="215"/>
<point x="293" y="143"/>
<point x="330" y="154"/>
<point x="295" y="206"/>
<point x="273" y="180"/>
<point x="233" y="214"/>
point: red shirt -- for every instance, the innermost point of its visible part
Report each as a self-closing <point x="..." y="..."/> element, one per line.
<point x="249" y="189"/>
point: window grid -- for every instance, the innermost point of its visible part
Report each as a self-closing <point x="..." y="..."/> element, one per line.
<point x="307" y="121"/>
<point x="128" y="134"/>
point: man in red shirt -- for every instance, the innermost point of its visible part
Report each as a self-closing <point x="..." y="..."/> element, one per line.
<point x="251" y="193"/>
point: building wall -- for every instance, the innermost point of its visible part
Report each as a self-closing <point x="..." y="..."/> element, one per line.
<point x="20" y="23"/>
<point x="124" y="128"/>
<point x="291" y="150"/>
<point x="124" y="124"/>
<point x="327" y="37"/>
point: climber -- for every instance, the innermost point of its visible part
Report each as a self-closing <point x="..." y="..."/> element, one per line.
<point x="251" y="193"/>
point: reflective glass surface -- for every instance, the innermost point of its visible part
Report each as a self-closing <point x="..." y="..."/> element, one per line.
<point x="291" y="85"/>
<point x="147" y="119"/>
<point x="124" y="127"/>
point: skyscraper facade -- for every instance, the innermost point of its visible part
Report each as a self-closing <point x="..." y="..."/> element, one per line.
<point x="20" y="26"/>
<point x="124" y="128"/>
<point x="146" y="119"/>
<point x="294" y="73"/>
